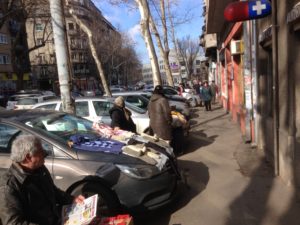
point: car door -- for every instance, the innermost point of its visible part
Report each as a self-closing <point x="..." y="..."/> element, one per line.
<point x="101" y="110"/>
<point x="137" y="100"/>
<point x="82" y="110"/>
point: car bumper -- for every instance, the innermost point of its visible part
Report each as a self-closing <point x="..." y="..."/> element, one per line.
<point x="145" y="195"/>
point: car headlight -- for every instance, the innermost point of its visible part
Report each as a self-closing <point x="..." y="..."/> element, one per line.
<point x="139" y="171"/>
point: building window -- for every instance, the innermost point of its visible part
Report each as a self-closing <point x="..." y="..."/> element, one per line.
<point x="4" y="59"/>
<point x="71" y="26"/>
<point x="39" y="27"/>
<point x="39" y="41"/>
<point x="43" y="71"/>
<point x="197" y="62"/>
<point x="41" y="58"/>
<point x="3" y="39"/>
<point x="74" y="56"/>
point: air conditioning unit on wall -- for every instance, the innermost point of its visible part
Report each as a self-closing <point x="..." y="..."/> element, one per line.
<point x="237" y="47"/>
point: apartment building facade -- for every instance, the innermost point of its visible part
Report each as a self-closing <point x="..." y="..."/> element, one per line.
<point x="179" y="71"/>
<point x="83" y="71"/>
<point x="14" y="64"/>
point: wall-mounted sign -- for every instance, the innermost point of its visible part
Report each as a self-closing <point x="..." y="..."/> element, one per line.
<point x="247" y="10"/>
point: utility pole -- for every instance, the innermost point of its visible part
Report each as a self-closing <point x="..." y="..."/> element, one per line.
<point x="59" y="34"/>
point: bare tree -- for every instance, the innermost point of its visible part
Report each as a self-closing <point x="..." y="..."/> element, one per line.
<point x="174" y="22"/>
<point x="89" y="33"/>
<point x="143" y="7"/>
<point x="188" y="50"/>
<point x="163" y="47"/>
<point x="145" y="30"/>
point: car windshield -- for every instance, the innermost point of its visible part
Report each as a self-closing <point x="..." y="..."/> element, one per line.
<point x="27" y="101"/>
<point x="61" y="126"/>
<point x="135" y="108"/>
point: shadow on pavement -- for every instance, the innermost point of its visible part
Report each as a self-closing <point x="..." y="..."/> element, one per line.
<point x="195" y="124"/>
<point x="251" y="206"/>
<point x="197" y="177"/>
<point x="196" y="140"/>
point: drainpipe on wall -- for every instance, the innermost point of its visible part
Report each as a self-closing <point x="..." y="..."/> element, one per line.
<point x="275" y="86"/>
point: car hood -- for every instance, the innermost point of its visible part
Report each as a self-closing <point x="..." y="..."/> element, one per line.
<point x="109" y="157"/>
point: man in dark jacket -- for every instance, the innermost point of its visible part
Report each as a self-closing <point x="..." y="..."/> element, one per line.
<point x="160" y="114"/>
<point x="28" y="194"/>
<point x="121" y="117"/>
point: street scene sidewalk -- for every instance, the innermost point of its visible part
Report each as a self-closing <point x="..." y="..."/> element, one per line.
<point x="228" y="182"/>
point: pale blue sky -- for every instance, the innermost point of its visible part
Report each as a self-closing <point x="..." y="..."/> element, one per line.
<point x="127" y="20"/>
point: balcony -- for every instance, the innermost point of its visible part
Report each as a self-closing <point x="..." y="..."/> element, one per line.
<point x="215" y="15"/>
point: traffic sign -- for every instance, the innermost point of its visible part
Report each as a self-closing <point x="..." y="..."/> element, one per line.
<point x="247" y="10"/>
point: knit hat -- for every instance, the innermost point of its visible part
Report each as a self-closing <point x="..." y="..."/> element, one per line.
<point x="158" y="89"/>
<point x="119" y="101"/>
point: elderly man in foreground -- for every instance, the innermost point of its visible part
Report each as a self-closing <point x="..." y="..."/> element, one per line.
<point x="28" y="194"/>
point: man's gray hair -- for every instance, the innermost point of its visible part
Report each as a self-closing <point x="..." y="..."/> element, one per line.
<point x="23" y="145"/>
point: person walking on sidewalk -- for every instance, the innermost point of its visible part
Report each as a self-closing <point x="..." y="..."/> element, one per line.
<point x="206" y="95"/>
<point x="28" y="194"/>
<point x="214" y="91"/>
<point x="160" y="114"/>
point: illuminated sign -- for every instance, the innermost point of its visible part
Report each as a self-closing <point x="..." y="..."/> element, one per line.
<point x="247" y="10"/>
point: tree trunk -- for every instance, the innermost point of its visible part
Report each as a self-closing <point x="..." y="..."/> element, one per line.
<point x="163" y="52"/>
<point x="166" y="44"/>
<point x="56" y="9"/>
<point x="93" y="51"/>
<point x="145" y="16"/>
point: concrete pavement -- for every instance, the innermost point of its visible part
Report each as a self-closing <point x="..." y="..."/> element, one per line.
<point x="229" y="183"/>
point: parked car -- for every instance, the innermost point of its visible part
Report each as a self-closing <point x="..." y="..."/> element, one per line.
<point x="141" y="99"/>
<point x="188" y="94"/>
<point x="97" y="109"/>
<point x="12" y="100"/>
<point x="80" y="163"/>
<point x="29" y="102"/>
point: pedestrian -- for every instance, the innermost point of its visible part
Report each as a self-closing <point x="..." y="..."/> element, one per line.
<point x="160" y="114"/>
<point x="28" y="194"/>
<point x="214" y="91"/>
<point x="200" y="91"/>
<point x="196" y="87"/>
<point x="206" y="95"/>
<point x="121" y="117"/>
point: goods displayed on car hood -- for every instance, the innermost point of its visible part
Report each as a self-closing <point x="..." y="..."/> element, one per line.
<point x="145" y="147"/>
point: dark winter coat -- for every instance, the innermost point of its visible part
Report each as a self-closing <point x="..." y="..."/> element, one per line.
<point x="30" y="198"/>
<point x="119" y="119"/>
<point x="160" y="116"/>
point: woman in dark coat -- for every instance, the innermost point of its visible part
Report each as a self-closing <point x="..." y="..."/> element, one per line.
<point x="160" y="114"/>
<point x="121" y="117"/>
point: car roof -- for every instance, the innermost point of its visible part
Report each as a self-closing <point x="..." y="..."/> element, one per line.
<point x="19" y="115"/>
<point x="131" y="93"/>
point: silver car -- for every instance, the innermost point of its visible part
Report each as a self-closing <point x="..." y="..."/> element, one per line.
<point x="97" y="109"/>
<point x="81" y="161"/>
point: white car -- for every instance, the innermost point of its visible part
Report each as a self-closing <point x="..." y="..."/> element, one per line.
<point x="141" y="99"/>
<point x="188" y="94"/>
<point x="97" y="109"/>
<point x="29" y="102"/>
